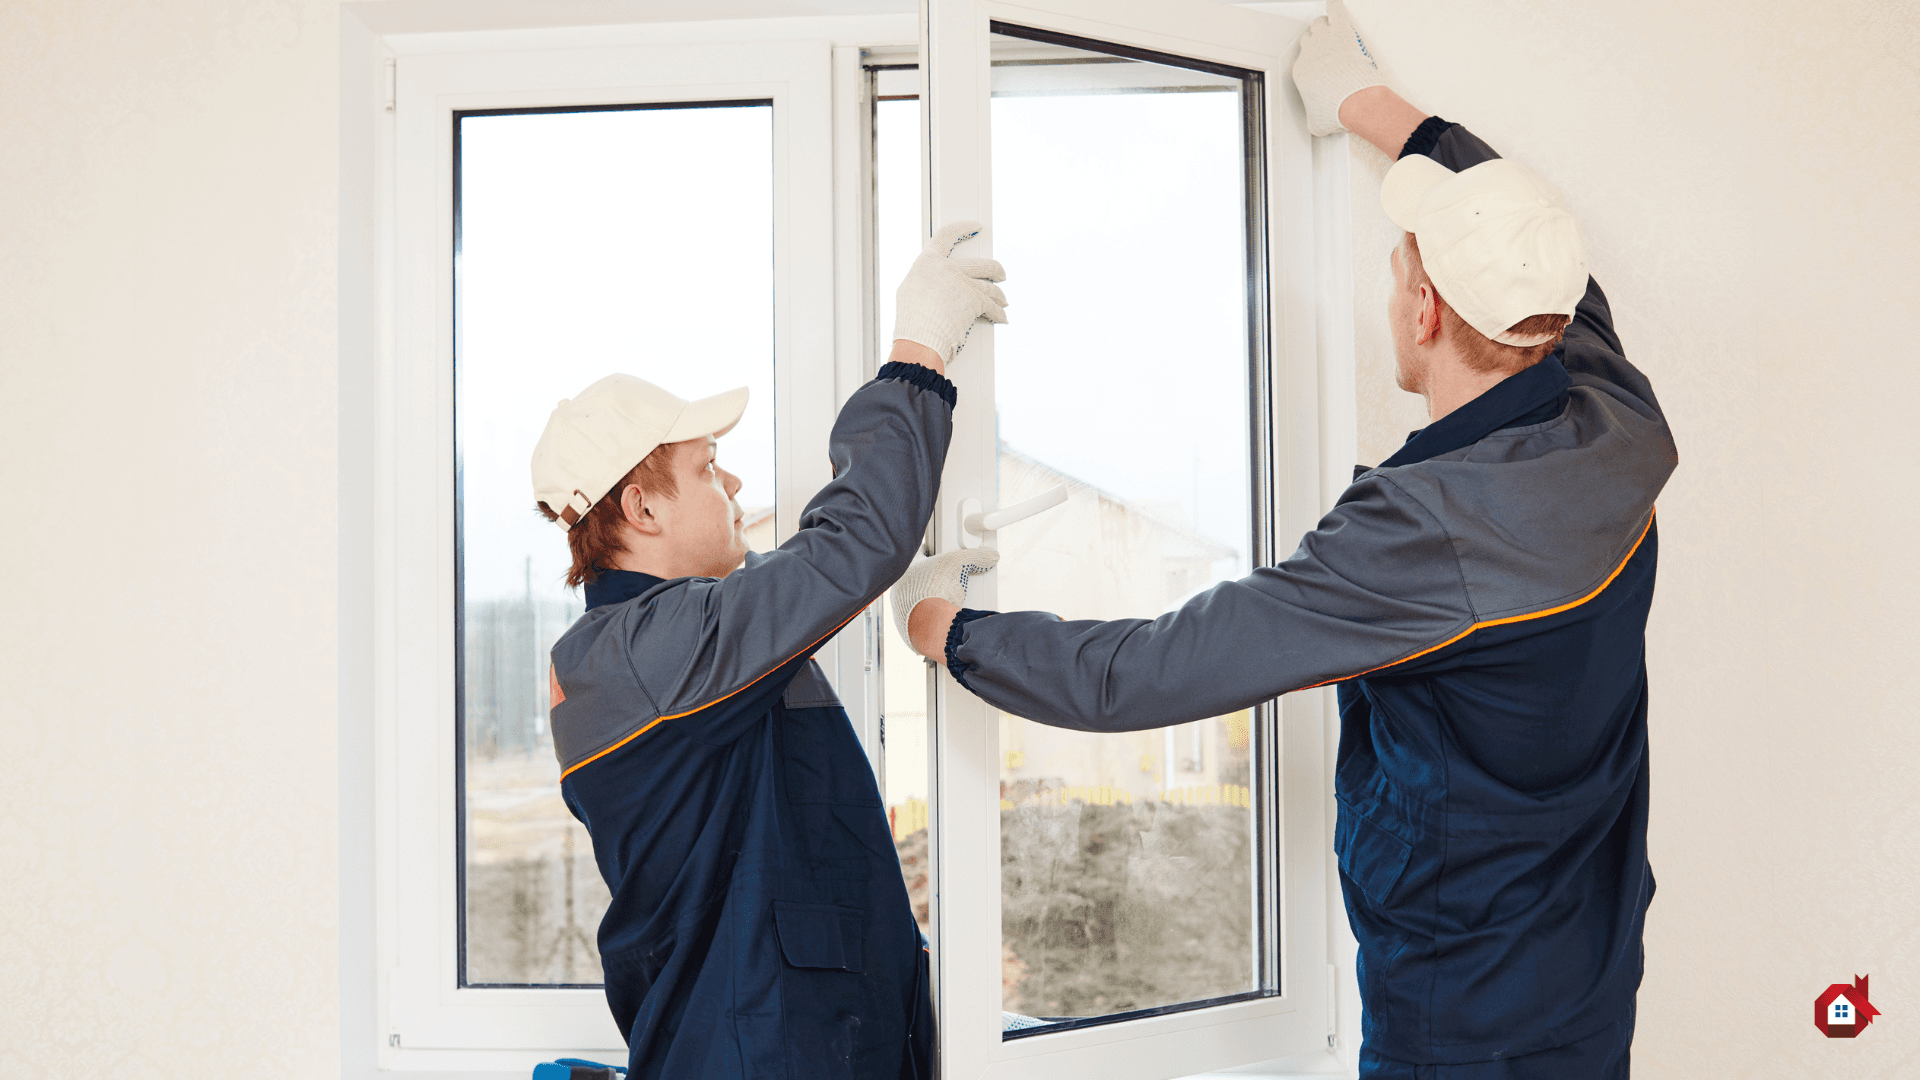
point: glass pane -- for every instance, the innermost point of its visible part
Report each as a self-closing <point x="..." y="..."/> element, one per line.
<point x="904" y="675"/>
<point x="1128" y="873"/>
<point x="591" y="242"/>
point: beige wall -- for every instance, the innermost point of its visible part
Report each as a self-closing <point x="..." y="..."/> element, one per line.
<point x="168" y="357"/>
<point x="168" y="203"/>
<point x="1746" y="177"/>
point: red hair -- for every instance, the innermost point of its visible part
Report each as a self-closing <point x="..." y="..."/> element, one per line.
<point x="595" y="539"/>
<point x="1483" y="354"/>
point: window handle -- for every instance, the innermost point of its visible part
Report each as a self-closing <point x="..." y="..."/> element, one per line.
<point x="975" y="523"/>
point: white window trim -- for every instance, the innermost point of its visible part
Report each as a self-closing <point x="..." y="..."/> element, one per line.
<point x="374" y="387"/>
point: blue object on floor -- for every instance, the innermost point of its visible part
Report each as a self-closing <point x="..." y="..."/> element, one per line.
<point x="577" y="1069"/>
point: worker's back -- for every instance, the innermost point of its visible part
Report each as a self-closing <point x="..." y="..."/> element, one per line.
<point x="1492" y="832"/>
<point x="1493" y="789"/>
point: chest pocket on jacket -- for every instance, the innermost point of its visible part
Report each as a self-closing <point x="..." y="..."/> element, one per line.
<point x="824" y="762"/>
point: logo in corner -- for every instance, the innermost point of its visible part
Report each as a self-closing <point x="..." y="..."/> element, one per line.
<point x="1842" y="1011"/>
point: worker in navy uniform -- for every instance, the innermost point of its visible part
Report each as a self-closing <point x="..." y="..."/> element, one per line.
<point x="1480" y="598"/>
<point x="759" y="926"/>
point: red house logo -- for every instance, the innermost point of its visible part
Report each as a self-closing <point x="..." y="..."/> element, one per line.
<point x="1843" y="1011"/>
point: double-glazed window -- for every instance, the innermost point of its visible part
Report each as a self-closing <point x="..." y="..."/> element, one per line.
<point x="633" y="239"/>
<point x="708" y="207"/>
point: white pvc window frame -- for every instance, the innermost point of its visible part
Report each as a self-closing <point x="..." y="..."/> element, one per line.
<point x="406" y="67"/>
<point x="429" y="1021"/>
<point x="1298" y="1018"/>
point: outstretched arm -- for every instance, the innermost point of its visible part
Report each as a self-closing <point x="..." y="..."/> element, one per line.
<point x="858" y="534"/>
<point x="1381" y="117"/>
<point x="1374" y="585"/>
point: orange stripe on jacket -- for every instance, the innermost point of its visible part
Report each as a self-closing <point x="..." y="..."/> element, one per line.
<point x="1569" y="606"/>
<point x="656" y="723"/>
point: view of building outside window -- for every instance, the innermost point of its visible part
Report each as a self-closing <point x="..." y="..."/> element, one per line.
<point x="636" y="241"/>
<point x="1127" y="869"/>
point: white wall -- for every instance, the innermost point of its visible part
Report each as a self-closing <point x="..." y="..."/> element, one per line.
<point x="167" y="400"/>
<point x="167" y="411"/>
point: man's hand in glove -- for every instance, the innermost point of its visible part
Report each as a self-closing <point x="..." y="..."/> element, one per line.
<point x="940" y="584"/>
<point x="1333" y="64"/>
<point x="942" y="296"/>
<point x="1343" y="89"/>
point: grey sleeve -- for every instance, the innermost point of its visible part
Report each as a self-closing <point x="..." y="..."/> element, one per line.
<point x="1377" y="582"/>
<point x="1591" y="347"/>
<point x="702" y="643"/>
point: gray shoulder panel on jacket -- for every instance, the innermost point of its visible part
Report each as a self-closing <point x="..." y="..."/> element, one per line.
<point x="1540" y="516"/>
<point x="598" y="704"/>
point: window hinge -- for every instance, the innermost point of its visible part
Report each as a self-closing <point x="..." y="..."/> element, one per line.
<point x="391" y="85"/>
<point x="393" y="1040"/>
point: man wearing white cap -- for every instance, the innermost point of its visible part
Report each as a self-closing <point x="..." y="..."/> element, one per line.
<point x="1480" y="598"/>
<point x="759" y="925"/>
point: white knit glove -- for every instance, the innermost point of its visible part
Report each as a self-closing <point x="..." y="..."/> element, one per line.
<point x="944" y="576"/>
<point x="1333" y="63"/>
<point x="942" y="296"/>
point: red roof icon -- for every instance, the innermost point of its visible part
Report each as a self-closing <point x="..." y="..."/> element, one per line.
<point x="1843" y="1011"/>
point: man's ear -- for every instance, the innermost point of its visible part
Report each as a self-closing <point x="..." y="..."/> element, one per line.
<point x="1429" y="314"/>
<point x="635" y="511"/>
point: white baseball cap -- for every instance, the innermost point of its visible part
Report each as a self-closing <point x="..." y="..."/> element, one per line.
<point x="1496" y="238"/>
<point x="598" y="436"/>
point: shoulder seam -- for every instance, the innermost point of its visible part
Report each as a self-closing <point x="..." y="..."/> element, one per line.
<point x="637" y="681"/>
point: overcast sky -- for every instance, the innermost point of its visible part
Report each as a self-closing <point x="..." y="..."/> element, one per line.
<point x="635" y="241"/>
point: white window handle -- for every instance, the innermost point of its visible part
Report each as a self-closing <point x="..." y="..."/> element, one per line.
<point x="975" y="524"/>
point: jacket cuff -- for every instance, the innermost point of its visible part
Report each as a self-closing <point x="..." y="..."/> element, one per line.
<point x="956" y="666"/>
<point x="1425" y="137"/>
<point x="915" y="375"/>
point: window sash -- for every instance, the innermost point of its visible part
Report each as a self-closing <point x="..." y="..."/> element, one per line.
<point x="964" y="742"/>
